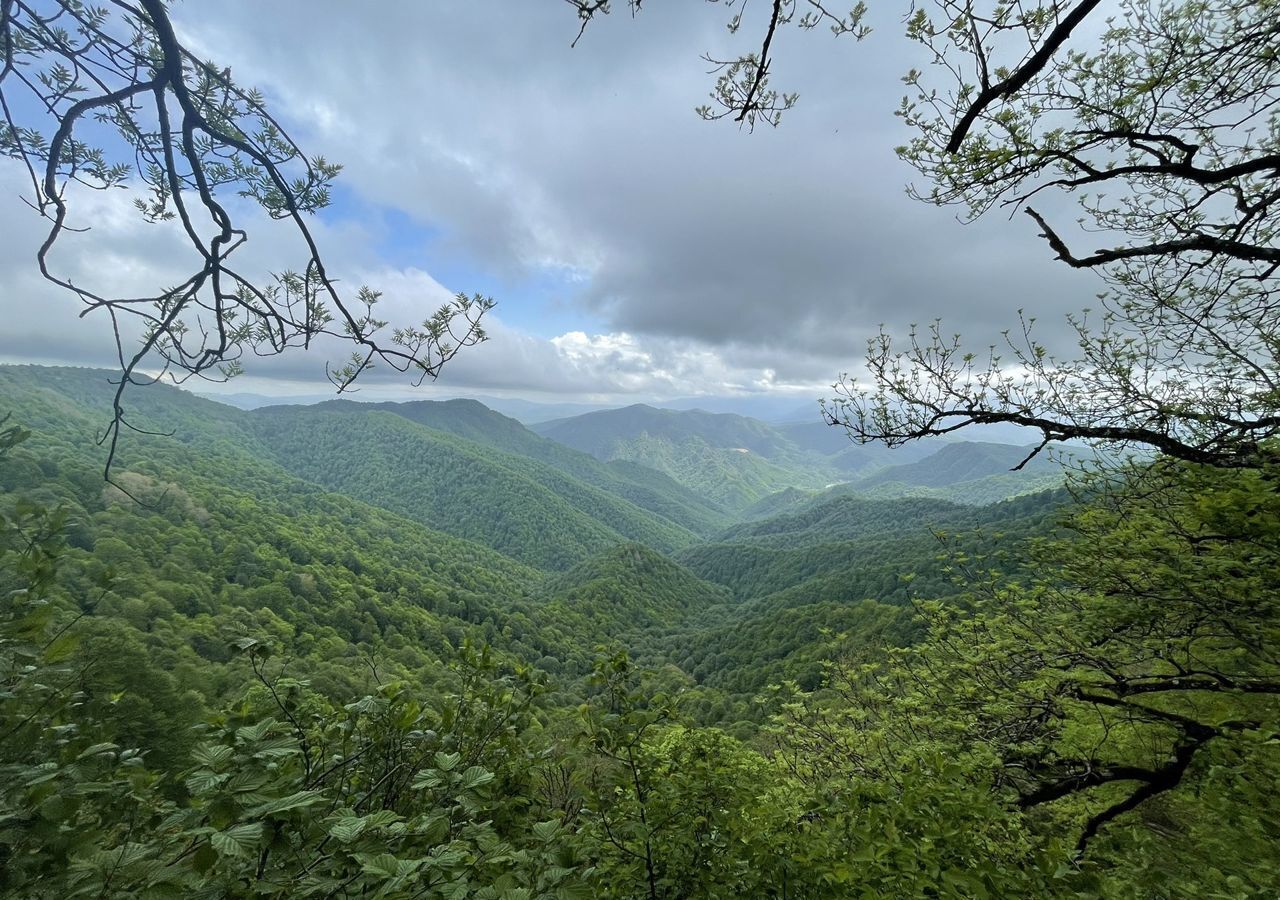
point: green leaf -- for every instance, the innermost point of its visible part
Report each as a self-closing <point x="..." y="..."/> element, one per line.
<point x="238" y="840"/>
<point x="447" y="761"/>
<point x="203" y="781"/>
<point x="474" y="777"/>
<point x="212" y="755"/>
<point x="348" y="828"/>
<point x="384" y="865"/>
<point x="284" y="804"/>
<point x="545" y="831"/>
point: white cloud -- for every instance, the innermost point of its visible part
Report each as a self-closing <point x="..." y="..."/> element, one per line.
<point x="711" y="260"/>
<point x="662" y="368"/>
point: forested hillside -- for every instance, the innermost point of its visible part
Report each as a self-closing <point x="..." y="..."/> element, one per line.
<point x="470" y="419"/>
<point x="339" y="587"/>
<point x="332" y="594"/>
<point x="521" y="507"/>
<point x="738" y="463"/>
<point x="649" y="648"/>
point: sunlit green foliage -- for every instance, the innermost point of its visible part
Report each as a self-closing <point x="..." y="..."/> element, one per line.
<point x="221" y="681"/>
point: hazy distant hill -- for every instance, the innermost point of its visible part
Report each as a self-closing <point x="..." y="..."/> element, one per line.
<point x="601" y="433"/>
<point x="766" y="408"/>
<point x="820" y="437"/>
<point x="961" y="461"/>
<point x="529" y="411"/>
<point x="842" y="453"/>
<point x="725" y="458"/>
<point x="975" y="473"/>
<point x="740" y="462"/>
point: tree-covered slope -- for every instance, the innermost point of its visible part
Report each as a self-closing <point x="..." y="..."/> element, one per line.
<point x="845" y="518"/>
<point x="842" y="574"/>
<point x="470" y="419"/>
<point x="213" y="542"/>
<point x="526" y="509"/>
<point x="877" y="539"/>
<point x="631" y="588"/>
<point x="783" y="501"/>
<point x="726" y="459"/>
<point x="216" y="540"/>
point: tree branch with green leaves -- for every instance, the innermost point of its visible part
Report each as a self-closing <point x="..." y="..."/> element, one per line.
<point x="97" y="97"/>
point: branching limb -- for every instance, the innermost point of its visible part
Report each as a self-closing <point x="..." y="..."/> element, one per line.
<point x="184" y="136"/>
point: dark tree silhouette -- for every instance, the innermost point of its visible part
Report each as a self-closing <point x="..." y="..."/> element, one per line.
<point x="1159" y="123"/>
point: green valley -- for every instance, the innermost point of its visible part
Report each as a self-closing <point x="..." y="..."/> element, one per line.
<point x="741" y="463"/>
<point x="444" y="547"/>
<point x="580" y="451"/>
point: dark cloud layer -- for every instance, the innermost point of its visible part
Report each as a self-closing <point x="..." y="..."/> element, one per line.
<point x="709" y="253"/>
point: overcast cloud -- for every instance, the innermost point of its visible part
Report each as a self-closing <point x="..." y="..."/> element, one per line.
<point x="684" y="257"/>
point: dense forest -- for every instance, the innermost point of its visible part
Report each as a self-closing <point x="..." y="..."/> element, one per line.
<point x="422" y="650"/>
<point x="226" y="677"/>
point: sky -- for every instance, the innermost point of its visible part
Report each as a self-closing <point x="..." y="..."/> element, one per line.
<point x="636" y="252"/>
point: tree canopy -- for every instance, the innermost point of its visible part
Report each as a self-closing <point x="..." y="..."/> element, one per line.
<point x="1159" y="124"/>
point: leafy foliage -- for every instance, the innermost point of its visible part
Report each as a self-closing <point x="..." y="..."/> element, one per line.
<point x="272" y="690"/>
<point x="1106" y="697"/>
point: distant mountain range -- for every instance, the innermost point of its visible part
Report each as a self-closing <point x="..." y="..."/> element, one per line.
<point x="558" y="493"/>
<point x="738" y="462"/>
<point x="735" y="550"/>
<point x="772" y="409"/>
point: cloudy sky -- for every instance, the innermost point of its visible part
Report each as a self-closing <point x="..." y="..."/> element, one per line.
<point x="636" y="252"/>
